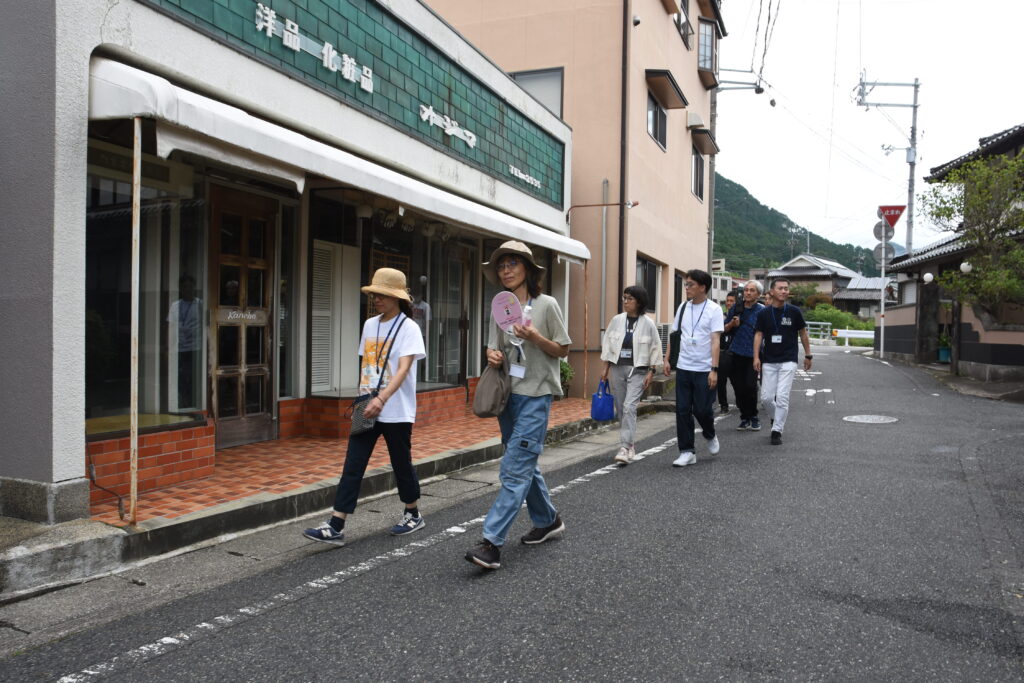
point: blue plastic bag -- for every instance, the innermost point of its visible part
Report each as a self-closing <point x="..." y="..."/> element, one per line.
<point x="602" y="404"/>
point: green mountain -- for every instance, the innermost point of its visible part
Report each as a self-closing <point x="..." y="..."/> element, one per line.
<point x="749" y="234"/>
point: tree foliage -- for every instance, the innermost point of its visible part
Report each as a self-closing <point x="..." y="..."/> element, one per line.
<point x="841" y="320"/>
<point x="982" y="201"/>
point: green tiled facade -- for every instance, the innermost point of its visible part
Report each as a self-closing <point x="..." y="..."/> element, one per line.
<point x="408" y="71"/>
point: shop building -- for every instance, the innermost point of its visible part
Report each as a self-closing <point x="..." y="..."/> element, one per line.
<point x="288" y="148"/>
<point x="636" y="80"/>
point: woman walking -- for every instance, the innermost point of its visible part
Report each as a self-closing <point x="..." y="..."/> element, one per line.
<point x="542" y="340"/>
<point x="630" y="351"/>
<point x="390" y="350"/>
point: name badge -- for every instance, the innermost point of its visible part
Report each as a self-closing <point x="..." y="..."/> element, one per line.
<point x="691" y="341"/>
<point x="626" y="353"/>
<point x="517" y="370"/>
<point x="776" y="339"/>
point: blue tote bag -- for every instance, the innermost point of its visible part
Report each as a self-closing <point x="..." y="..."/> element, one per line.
<point x="602" y="404"/>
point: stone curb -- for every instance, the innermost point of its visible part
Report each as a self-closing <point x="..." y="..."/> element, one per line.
<point x="73" y="552"/>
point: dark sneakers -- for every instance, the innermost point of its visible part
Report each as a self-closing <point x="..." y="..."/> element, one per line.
<point x="536" y="535"/>
<point x="776" y="438"/>
<point x="485" y="554"/>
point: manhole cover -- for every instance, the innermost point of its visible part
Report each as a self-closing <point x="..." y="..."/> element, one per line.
<point x="871" y="419"/>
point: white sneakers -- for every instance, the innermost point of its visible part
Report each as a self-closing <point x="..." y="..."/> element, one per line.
<point x="625" y="455"/>
<point x="690" y="458"/>
<point x="685" y="458"/>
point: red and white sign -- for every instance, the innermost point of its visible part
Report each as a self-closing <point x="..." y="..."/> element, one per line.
<point x="891" y="214"/>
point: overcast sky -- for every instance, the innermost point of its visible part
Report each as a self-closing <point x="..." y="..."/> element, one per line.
<point x="816" y="156"/>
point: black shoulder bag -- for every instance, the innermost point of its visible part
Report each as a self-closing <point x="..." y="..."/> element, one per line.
<point x="361" y="423"/>
<point x="674" y="337"/>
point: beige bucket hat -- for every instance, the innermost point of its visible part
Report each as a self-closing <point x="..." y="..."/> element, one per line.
<point x="389" y="282"/>
<point x="510" y="247"/>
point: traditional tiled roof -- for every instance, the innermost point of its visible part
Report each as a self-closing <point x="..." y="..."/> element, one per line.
<point x="944" y="247"/>
<point x="861" y="288"/>
<point x="993" y="144"/>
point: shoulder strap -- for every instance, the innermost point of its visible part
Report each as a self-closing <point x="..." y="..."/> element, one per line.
<point x="398" y="329"/>
<point x="679" y="316"/>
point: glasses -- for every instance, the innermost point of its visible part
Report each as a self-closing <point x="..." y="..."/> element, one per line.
<point x="507" y="265"/>
<point x="689" y="284"/>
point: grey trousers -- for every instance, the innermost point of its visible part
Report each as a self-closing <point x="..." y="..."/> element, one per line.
<point x="627" y="387"/>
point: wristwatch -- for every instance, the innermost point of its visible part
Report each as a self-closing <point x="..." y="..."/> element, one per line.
<point x="808" y="357"/>
<point x="714" y="368"/>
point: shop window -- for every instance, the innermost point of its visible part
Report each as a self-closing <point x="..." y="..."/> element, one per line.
<point x="172" y="300"/>
<point x="286" y="305"/>
<point x="647" y="277"/>
<point x="657" y="121"/>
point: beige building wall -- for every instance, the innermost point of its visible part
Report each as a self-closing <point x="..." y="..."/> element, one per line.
<point x="670" y="225"/>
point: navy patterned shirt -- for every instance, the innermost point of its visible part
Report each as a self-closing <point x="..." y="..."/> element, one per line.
<point x="743" y="336"/>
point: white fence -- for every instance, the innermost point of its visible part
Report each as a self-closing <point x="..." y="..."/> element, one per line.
<point x="819" y="331"/>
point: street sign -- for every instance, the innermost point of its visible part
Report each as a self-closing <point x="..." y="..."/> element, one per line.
<point x="883" y="228"/>
<point x="891" y="214"/>
<point x="885" y="255"/>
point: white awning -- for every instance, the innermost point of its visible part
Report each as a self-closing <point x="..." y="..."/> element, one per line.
<point x="119" y="91"/>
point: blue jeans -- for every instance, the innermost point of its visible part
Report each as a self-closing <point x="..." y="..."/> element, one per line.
<point x="524" y="423"/>
<point x="693" y="400"/>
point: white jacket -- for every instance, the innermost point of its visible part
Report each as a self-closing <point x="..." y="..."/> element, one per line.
<point x="646" y="341"/>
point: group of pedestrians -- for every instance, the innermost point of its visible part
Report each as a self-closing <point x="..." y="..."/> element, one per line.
<point x="631" y="351"/>
<point x="749" y="341"/>
<point x="389" y="353"/>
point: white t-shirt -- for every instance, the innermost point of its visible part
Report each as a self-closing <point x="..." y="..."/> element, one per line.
<point x="404" y="340"/>
<point x="699" y="322"/>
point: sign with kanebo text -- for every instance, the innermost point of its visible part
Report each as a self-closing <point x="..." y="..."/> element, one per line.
<point x="446" y="123"/>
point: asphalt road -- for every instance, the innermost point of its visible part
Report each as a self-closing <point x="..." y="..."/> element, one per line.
<point x="853" y="551"/>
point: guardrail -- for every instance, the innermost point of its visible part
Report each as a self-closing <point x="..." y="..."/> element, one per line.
<point x="819" y="331"/>
<point x="853" y="334"/>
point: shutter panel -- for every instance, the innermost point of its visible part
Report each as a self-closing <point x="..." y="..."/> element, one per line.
<point x="323" y="361"/>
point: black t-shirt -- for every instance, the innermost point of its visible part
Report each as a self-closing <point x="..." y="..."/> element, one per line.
<point x="786" y="322"/>
<point x="725" y="339"/>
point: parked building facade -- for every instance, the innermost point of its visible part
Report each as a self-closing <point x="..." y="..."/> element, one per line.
<point x="288" y="149"/>
<point x="635" y="80"/>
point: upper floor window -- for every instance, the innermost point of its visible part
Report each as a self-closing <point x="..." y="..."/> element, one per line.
<point x="647" y="277"/>
<point x="545" y="85"/>
<point x="697" y="174"/>
<point x="683" y="24"/>
<point x="657" y="121"/>
<point x="707" y="54"/>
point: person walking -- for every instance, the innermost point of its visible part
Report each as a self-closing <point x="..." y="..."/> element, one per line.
<point x="778" y="326"/>
<point x="540" y="342"/>
<point x="390" y="349"/>
<point x="742" y="323"/>
<point x="700" y="322"/>
<point x="631" y="350"/>
<point x="725" y="360"/>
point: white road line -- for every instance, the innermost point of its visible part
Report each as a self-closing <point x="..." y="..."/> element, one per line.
<point x="181" y="639"/>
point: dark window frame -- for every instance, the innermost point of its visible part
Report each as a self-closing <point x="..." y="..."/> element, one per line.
<point x="534" y="72"/>
<point x="647" y="277"/>
<point x="697" y="173"/>
<point x="657" y="121"/>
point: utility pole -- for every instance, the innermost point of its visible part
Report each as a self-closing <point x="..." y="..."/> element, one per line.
<point x="863" y="89"/>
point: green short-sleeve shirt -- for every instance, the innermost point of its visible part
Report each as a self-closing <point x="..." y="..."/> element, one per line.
<point x="543" y="375"/>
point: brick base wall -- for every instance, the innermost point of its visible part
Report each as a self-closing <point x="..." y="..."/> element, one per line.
<point x="165" y="459"/>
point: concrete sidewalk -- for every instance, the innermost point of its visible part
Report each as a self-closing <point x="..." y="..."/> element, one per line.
<point x="36" y="557"/>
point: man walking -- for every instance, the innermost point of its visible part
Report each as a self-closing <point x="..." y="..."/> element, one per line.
<point x="725" y="359"/>
<point x="778" y="326"/>
<point x="742" y="322"/>
<point x="700" y="324"/>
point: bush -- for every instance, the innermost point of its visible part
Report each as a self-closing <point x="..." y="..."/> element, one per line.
<point x="566" y="370"/>
<point x="815" y="300"/>
<point x="841" y="320"/>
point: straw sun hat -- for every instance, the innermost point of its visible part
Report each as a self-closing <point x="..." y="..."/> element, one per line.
<point x="389" y="282"/>
<point x="510" y="247"/>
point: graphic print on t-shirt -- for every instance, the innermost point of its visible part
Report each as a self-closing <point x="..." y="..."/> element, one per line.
<point x="374" y="353"/>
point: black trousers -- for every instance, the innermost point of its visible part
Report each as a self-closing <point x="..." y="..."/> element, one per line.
<point x="744" y="383"/>
<point x="724" y="377"/>
<point x="398" y="437"/>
